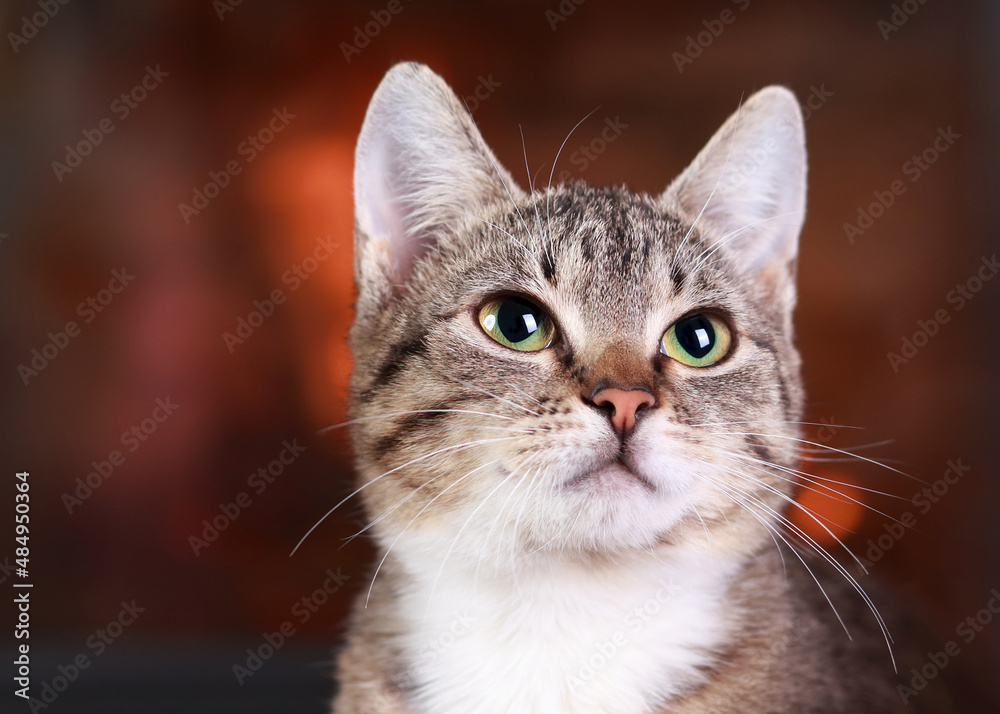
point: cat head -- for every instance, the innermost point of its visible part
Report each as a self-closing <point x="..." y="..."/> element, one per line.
<point x="572" y="369"/>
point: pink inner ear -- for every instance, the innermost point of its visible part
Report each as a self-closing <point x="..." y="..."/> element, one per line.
<point x="381" y="211"/>
<point x="748" y="183"/>
<point x="420" y="163"/>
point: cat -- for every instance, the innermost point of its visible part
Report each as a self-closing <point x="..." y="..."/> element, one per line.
<point x="575" y="413"/>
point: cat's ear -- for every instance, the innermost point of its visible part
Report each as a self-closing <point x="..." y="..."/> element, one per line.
<point x="421" y="167"/>
<point x="746" y="189"/>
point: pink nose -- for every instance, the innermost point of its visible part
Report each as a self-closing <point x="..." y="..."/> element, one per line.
<point x="625" y="404"/>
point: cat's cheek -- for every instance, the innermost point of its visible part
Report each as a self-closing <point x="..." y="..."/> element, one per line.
<point x="562" y="454"/>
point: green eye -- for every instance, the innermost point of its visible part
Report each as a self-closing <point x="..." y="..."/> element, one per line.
<point x="699" y="340"/>
<point x="517" y="323"/>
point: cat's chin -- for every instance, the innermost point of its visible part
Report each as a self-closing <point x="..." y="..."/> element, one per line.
<point x="610" y="478"/>
<point x="614" y="505"/>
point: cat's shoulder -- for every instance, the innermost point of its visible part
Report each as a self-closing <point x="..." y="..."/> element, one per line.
<point x="816" y="645"/>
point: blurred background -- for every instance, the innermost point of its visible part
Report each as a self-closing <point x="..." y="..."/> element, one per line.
<point x="175" y="256"/>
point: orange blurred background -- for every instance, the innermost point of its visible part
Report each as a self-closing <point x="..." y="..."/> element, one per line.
<point x="222" y="77"/>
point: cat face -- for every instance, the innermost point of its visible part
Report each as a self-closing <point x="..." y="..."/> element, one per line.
<point x="576" y="370"/>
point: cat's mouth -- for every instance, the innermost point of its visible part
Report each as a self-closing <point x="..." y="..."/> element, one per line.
<point x="615" y="472"/>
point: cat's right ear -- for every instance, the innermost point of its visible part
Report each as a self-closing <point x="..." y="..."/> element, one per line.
<point x="745" y="191"/>
<point x="421" y="167"/>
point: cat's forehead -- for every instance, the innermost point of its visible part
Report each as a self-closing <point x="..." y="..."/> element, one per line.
<point x="608" y="233"/>
<point x="606" y="252"/>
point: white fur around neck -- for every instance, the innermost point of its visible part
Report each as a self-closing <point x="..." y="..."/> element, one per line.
<point x="562" y="638"/>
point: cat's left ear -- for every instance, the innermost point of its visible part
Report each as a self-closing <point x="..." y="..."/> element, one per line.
<point x="746" y="190"/>
<point x="421" y="170"/>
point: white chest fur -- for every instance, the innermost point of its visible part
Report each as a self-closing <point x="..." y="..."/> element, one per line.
<point x="563" y="638"/>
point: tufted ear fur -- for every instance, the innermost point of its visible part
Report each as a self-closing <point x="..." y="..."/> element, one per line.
<point x="421" y="168"/>
<point x="745" y="191"/>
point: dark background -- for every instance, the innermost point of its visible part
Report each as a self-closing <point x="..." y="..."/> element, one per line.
<point x="880" y="96"/>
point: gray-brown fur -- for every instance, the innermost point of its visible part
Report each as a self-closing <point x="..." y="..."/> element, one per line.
<point x="601" y="261"/>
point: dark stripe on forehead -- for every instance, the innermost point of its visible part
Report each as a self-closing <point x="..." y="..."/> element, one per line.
<point x="586" y="237"/>
<point x="677" y="276"/>
<point x="626" y="259"/>
<point x="548" y="265"/>
<point x="395" y="360"/>
<point x="567" y="216"/>
<point x="619" y="237"/>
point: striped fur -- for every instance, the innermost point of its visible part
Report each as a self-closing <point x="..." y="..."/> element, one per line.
<point x="501" y="568"/>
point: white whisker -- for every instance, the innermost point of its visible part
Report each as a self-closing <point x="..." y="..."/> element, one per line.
<point x="454" y="447"/>
<point x="548" y="190"/>
<point x="732" y="140"/>
<point x="426" y="506"/>
<point x="822" y="446"/>
<point x="491" y="394"/>
<point x="444" y="561"/>
<point x="819" y="551"/>
<point x="407" y="413"/>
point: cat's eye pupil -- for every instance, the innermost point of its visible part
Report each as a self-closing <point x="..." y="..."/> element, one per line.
<point x="518" y="319"/>
<point x="696" y="335"/>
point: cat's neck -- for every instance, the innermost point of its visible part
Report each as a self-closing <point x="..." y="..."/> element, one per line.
<point x="561" y="635"/>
